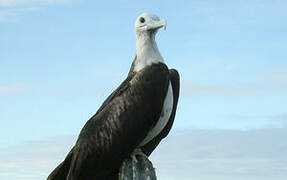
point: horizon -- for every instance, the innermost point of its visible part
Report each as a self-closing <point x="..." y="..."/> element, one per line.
<point x="60" y="59"/>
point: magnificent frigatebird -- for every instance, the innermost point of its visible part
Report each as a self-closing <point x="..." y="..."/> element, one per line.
<point x="133" y="119"/>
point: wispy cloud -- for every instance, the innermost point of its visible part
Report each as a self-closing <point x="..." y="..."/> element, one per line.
<point x="11" y="9"/>
<point x="34" y="159"/>
<point x="276" y="74"/>
<point x="185" y="154"/>
<point x="13" y="3"/>
<point x="11" y="89"/>
<point x="223" y="154"/>
<point x="273" y="81"/>
<point x="234" y="89"/>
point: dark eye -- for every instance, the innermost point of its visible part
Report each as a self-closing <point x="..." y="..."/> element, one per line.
<point x="142" y="20"/>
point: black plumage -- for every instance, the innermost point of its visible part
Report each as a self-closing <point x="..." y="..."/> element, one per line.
<point x="120" y="124"/>
<point x="126" y="117"/>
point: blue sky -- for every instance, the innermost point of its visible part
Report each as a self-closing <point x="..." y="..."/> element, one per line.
<point x="59" y="59"/>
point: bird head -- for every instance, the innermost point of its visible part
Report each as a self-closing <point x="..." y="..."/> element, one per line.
<point x="149" y="24"/>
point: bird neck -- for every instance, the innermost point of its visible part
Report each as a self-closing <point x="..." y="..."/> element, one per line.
<point x="147" y="51"/>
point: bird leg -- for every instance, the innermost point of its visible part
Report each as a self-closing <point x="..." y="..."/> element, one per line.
<point x="137" y="151"/>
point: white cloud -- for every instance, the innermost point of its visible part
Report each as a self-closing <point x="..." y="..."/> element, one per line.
<point x="220" y="155"/>
<point x="13" y="3"/>
<point x="271" y="82"/>
<point x="235" y="89"/>
<point x="34" y="159"/>
<point x="11" y="9"/>
<point x="11" y="89"/>
<point x="4" y="14"/>
<point x="277" y="75"/>
<point x="187" y="154"/>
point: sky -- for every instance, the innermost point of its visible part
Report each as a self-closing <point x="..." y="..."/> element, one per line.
<point x="59" y="60"/>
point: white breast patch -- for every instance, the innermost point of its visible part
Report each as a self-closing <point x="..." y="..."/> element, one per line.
<point x="164" y="117"/>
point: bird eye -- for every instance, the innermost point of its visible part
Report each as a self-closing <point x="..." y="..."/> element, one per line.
<point x="142" y="20"/>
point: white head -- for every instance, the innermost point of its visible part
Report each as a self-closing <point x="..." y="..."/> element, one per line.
<point x="148" y="23"/>
<point x="146" y="26"/>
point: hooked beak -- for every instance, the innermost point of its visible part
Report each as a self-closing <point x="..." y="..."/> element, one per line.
<point x="156" y="25"/>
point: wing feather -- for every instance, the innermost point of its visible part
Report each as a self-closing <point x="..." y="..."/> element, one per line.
<point x="120" y="124"/>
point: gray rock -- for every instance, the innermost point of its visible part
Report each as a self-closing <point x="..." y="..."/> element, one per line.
<point x="140" y="170"/>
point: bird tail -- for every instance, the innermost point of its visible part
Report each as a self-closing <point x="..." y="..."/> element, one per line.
<point x="61" y="171"/>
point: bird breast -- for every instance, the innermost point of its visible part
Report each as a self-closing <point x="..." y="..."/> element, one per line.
<point x="163" y="119"/>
